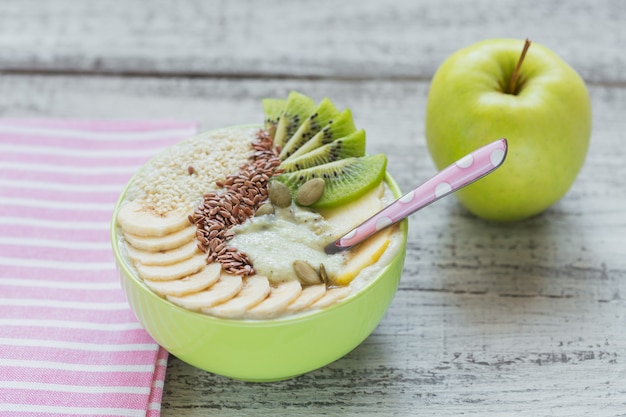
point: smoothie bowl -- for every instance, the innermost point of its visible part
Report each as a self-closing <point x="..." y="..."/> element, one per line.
<point x="219" y="243"/>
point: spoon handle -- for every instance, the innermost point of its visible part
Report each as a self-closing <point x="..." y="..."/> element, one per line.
<point x="461" y="173"/>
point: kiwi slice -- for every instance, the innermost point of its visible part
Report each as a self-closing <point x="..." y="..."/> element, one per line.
<point x="297" y="108"/>
<point x="322" y="116"/>
<point x="273" y="108"/>
<point x="346" y="179"/>
<point x="341" y="126"/>
<point x="346" y="147"/>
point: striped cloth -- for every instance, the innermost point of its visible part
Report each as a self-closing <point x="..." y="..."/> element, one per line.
<point x="69" y="344"/>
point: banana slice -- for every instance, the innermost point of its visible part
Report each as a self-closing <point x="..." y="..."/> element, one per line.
<point x="157" y="244"/>
<point x="188" y="285"/>
<point x="254" y="290"/>
<point x="135" y="219"/>
<point x="169" y="257"/>
<point x="308" y="296"/>
<point x="280" y="296"/>
<point x="224" y="289"/>
<point x="172" y="272"/>
<point x="332" y="296"/>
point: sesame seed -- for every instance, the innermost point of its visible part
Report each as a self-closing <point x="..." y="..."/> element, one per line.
<point x="166" y="184"/>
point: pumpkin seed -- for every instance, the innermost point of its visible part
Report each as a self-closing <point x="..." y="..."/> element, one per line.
<point x="323" y="274"/>
<point x="310" y="192"/>
<point x="306" y="273"/>
<point x="279" y="194"/>
<point x="266" y="208"/>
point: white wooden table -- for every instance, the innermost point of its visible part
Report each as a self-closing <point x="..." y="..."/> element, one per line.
<point x="490" y="319"/>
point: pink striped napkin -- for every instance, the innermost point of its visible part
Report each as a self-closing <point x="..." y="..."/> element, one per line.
<point x="69" y="344"/>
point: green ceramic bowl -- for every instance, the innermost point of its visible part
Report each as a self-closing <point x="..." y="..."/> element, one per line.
<point x="262" y="350"/>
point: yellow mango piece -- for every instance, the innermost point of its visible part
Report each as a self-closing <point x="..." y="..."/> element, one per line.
<point x="346" y="217"/>
<point x="364" y="255"/>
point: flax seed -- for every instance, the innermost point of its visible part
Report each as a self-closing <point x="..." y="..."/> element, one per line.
<point x="242" y="194"/>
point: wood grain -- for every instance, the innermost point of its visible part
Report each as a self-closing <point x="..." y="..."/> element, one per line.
<point x="490" y="319"/>
<point x="444" y="354"/>
<point x="350" y="39"/>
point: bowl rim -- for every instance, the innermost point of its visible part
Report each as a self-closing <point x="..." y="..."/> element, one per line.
<point x="128" y="272"/>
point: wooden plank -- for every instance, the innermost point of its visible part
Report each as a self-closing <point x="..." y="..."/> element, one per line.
<point x="348" y="39"/>
<point x="444" y="354"/>
<point x="489" y="320"/>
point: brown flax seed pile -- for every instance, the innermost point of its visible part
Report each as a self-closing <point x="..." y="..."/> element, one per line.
<point x="240" y="196"/>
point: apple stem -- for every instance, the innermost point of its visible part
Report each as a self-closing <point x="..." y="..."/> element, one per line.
<point x="513" y="83"/>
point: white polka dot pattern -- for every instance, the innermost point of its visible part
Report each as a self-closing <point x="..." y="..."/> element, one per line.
<point x="442" y="189"/>
<point x="465" y="162"/>
<point x="383" y="222"/>
<point x="496" y="157"/>
<point x="408" y="197"/>
<point x="464" y="171"/>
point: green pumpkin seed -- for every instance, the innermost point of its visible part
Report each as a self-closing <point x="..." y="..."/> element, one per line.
<point x="323" y="274"/>
<point x="306" y="273"/>
<point x="279" y="194"/>
<point x="265" y="209"/>
<point x="310" y="192"/>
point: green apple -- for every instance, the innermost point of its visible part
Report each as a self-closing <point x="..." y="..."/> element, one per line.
<point x="525" y="93"/>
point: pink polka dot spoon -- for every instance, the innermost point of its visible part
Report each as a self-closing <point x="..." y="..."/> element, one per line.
<point x="466" y="170"/>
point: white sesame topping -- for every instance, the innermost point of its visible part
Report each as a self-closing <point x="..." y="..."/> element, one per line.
<point x="165" y="183"/>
